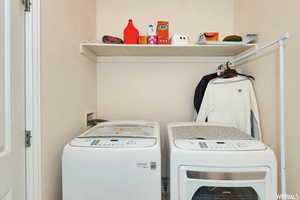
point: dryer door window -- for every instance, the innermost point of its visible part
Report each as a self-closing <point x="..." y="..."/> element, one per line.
<point x="225" y="193"/>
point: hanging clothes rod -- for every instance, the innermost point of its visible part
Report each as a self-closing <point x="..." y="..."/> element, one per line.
<point x="257" y="50"/>
<point x="281" y="43"/>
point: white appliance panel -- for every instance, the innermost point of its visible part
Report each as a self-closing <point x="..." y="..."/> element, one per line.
<point x="112" y="175"/>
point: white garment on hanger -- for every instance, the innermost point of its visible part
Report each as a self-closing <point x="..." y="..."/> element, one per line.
<point x="231" y="101"/>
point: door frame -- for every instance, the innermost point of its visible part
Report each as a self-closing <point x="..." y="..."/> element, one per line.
<point x="33" y="116"/>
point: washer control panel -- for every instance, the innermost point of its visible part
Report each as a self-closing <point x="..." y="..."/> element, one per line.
<point x="114" y="142"/>
<point x="223" y="145"/>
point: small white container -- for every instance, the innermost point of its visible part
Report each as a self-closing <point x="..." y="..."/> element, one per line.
<point x="180" y="39"/>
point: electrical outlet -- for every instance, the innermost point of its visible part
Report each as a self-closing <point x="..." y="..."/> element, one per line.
<point x="89" y="116"/>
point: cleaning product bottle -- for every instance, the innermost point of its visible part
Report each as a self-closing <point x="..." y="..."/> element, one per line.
<point x="130" y="34"/>
<point x="152" y="39"/>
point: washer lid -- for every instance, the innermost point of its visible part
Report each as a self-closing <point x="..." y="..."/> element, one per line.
<point x="214" y="138"/>
<point x="120" y="130"/>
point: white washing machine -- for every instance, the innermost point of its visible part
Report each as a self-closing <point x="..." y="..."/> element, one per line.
<point x="113" y="161"/>
<point x="214" y="162"/>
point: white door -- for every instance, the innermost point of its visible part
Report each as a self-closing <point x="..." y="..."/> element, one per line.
<point x="12" y="101"/>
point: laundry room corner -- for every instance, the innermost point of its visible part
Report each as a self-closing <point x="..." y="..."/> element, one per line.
<point x="178" y="112"/>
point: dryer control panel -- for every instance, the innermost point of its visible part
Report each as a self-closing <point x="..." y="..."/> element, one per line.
<point x="220" y="145"/>
<point x="106" y="142"/>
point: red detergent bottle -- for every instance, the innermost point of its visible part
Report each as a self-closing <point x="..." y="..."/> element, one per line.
<point x="130" y="34"/>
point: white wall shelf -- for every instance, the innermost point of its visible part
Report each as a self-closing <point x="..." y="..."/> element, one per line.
<point x="92" y="50"/>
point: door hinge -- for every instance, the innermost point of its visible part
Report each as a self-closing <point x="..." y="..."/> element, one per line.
<point x="27" y="4"/>
<point x="28" y="137"/>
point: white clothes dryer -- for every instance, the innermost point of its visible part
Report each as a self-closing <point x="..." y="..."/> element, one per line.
<point x="113" y="161"/>
<point x="210" y="161"/>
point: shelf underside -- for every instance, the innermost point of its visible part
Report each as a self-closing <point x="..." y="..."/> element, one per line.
<point x="98" y="49"/>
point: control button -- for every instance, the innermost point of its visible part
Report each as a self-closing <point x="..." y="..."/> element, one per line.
<point x="94" y="142"/>
<point x="203" y="145"/>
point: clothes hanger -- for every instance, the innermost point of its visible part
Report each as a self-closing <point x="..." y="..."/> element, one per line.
<point x="220" y="70"/>
<point x="230" y="73"/>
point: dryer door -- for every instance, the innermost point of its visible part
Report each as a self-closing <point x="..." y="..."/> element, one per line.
<point x="203" y="183"/>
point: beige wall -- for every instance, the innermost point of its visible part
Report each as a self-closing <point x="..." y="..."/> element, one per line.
<point x="270" y="19"/>
<point x="185" y="16"/>
<point x="160" y="91"/>
<point x="68" y="82"/>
